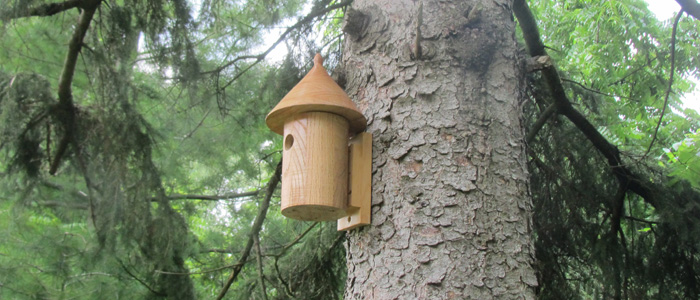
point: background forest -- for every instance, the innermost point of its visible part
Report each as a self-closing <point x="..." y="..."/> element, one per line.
<point x="136" y="162"/>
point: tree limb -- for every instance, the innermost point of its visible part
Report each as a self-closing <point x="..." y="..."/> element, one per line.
<point x="65" y="110"/>
<point x="255" y="229"/>
<point x="609" y="151"/>
<point x="44" y="10"/>
<point x="551" y="109"/>
<point x="692" y="7"/>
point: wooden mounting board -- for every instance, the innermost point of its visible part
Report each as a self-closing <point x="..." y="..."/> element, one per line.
<point x="359" y="211"/>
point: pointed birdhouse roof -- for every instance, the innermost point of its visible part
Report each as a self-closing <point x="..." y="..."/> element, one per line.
<point x="316" y="92"/>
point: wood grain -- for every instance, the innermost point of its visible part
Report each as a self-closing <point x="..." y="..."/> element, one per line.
<point x="359" y="209"/>
<point x="315" y="167"/>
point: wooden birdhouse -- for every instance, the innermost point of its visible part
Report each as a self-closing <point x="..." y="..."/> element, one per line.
<point x="326" y="164"/>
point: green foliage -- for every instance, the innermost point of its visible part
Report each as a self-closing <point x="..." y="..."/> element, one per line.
<point x="25" y="100"/>
<point x="615" y="57"/>
<point x="592" y="241"/>
<point x="684" y="160"/>
<point x="160" y="112"/>
<point x="170" y="99"/>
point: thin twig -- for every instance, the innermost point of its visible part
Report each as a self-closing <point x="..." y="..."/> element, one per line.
<point x="592" y="90"/>
<point x="670" y="81"/>
<point x="212" y="197"/>
<point x="631" y="218"/>
<point x="258" y="259"/>
<point x="255" y="229"/>
<point x="296" y="240"/>
<point x="202" y="272"/>
<point x="268" y="249"/>
<point x="230" y="63"/>
<point x="188" y="135"/>
<point x="139" y="280"/>
<point x="287" y="288"/>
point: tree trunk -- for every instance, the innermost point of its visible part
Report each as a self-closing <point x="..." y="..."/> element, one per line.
<point x="442" y="87"/>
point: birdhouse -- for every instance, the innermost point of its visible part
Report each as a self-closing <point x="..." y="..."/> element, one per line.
<point x="326" y="164"/>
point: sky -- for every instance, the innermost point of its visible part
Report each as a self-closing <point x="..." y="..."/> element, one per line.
<point x="664" y="10"/>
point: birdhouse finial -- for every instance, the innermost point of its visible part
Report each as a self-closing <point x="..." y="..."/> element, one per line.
<point x="318" y="60"/>
<point x="317" y="91"/>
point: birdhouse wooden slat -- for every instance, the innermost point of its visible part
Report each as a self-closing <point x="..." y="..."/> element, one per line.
<point x="317" y="119"/>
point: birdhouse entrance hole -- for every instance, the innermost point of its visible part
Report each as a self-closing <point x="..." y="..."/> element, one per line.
<point x="288" y="142"/>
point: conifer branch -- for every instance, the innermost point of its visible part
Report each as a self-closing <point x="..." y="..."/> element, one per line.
<point x="551" y="109"/>
<point x="268" y="249"/>
<point x="287" y="289"/>
<point x="241" y="264"/>
<point x="157" y="293"/>
<point x="211" y="197"/>
<point x="295" y="241"/>
<point x="44" y="10"/>
<point x="255" y="230"/>
<point x="535" y="47"/>
<point x="62" y="204"/>
<point x="75" y="192"/>
<point x="258" y="58"/>
<point x="65" y="111"/>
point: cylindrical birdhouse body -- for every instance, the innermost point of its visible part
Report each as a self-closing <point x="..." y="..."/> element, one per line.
<point x="315" y="167"/>
<point x="316" y="119"/>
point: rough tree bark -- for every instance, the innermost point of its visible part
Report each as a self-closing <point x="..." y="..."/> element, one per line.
<point x="442" y="87"/>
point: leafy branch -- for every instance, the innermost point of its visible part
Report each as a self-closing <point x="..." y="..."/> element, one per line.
<point x="535" y="47"/>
